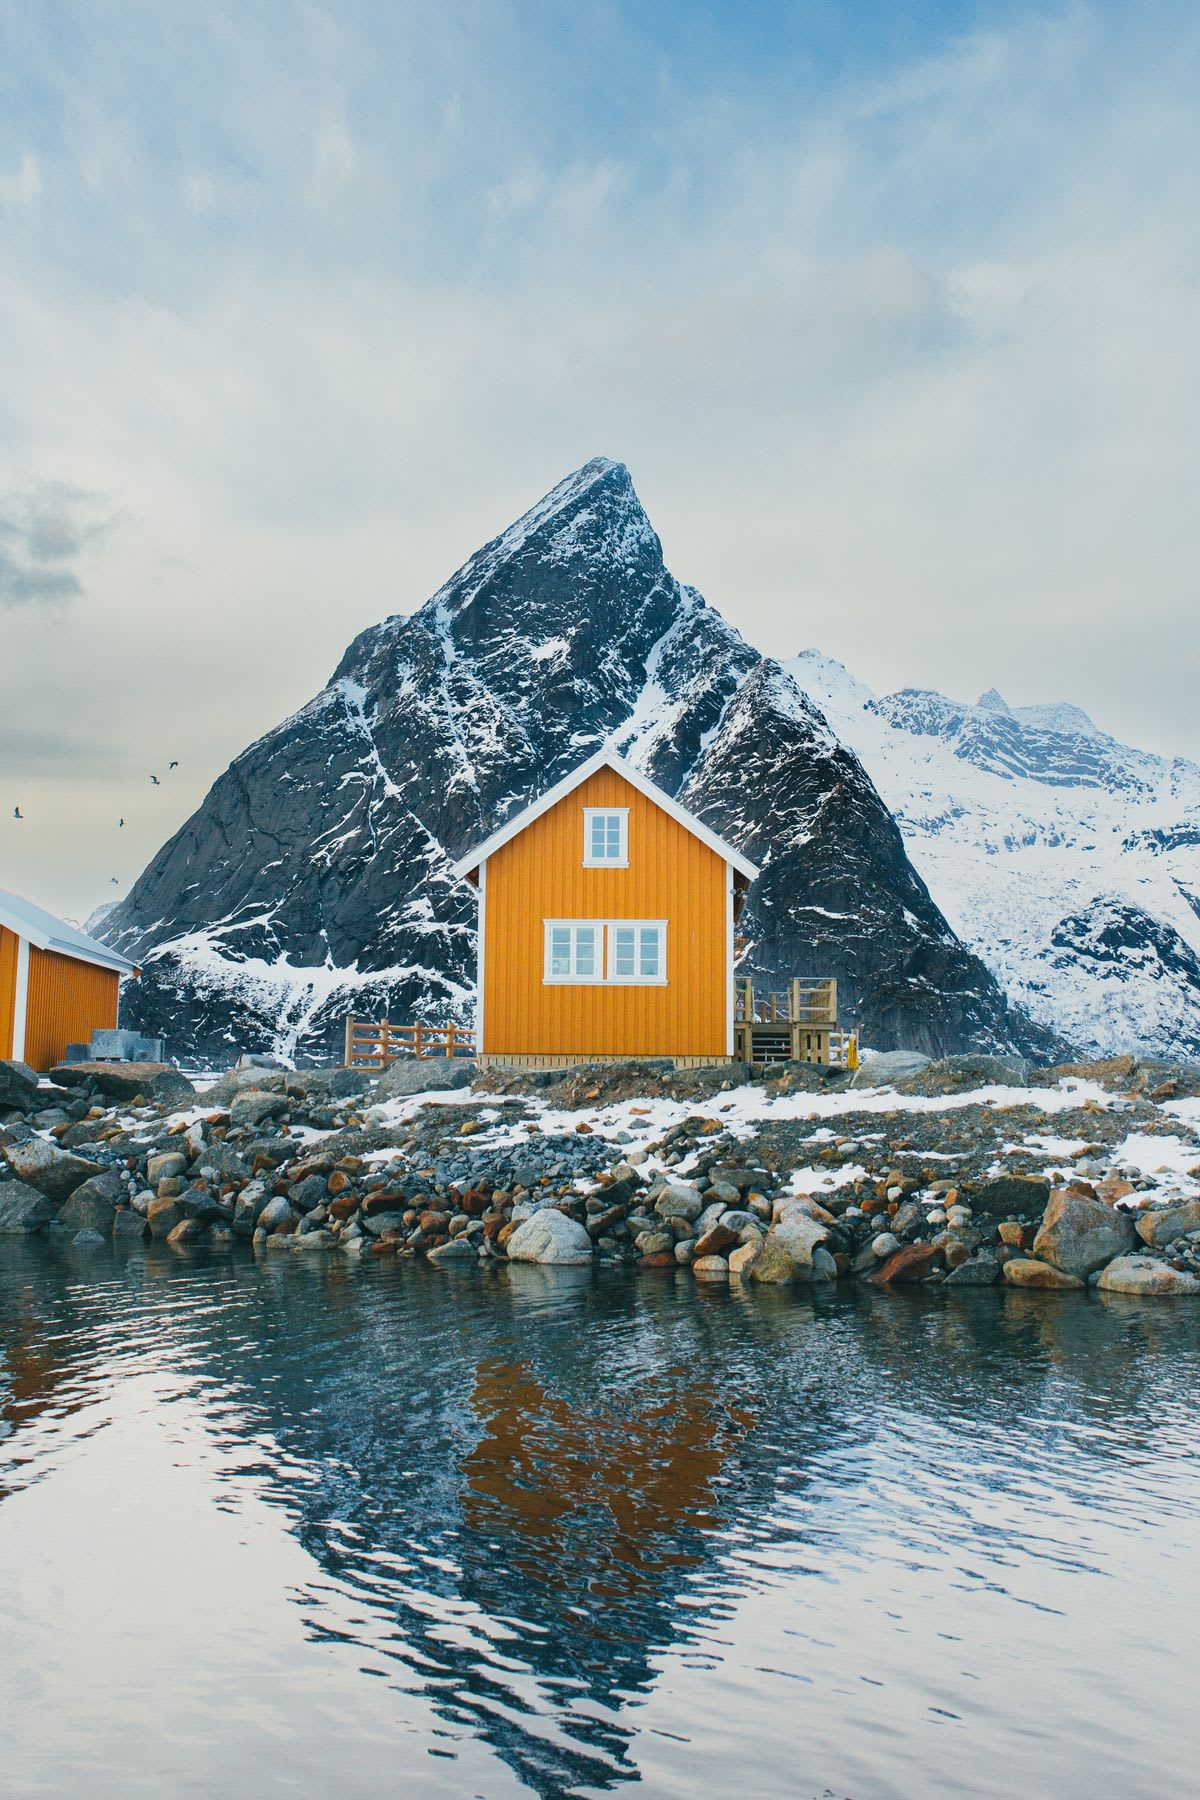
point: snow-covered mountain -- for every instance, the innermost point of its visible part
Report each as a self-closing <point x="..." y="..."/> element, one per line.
<point x="1069" y="861"/>
<point x="314" y="879"/>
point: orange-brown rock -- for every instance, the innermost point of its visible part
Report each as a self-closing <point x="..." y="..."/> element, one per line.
<point x="338" y="1182"/>
<point x="912" y="1262"/>
<point x="1013" y="1234"/>
<point x="1024" y="1272"/>
<point x="343" y="1206"/>
<point x="714" y="1241"/>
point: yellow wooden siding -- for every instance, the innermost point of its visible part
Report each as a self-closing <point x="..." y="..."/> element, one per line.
<point x="8" y="988"/>
<point x="68" y="1000"/>
<point x="539" y="875"/>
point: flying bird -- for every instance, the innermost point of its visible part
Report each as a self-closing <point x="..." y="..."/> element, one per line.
<point x="174" y="765"/>
<point x="156" y="781"/>
<point x="120" y="824"/>
<point x="17" y="813"/>
<point x="113" y="881"/>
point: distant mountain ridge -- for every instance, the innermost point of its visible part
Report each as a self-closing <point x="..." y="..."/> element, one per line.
<point x="315" y="877"/>
<point x="1068" y="861"/>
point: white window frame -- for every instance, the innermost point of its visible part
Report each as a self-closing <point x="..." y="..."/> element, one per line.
<point x="621" y="860"/>
<point x="572" y="979"/>
<point x="604" y="977"/>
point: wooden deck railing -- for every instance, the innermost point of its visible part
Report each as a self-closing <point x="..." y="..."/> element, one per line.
<point x="377" y="1044"/>
<point x="807" y="1000"/>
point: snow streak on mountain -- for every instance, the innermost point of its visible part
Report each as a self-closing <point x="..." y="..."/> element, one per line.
<point x="1070" y="862"/>
<point x="314" y="879"/>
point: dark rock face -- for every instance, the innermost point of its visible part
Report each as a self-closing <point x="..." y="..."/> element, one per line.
<point x="314" y="880"/>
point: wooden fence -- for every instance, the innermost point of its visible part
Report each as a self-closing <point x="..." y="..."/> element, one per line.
<point x="377" y="1044"/>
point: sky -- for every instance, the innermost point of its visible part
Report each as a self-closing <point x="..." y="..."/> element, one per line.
<point x="891" y="310"/>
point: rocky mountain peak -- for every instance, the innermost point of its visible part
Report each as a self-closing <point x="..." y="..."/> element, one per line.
<point x="994" y="702"/>
<point x="315" y="878"/>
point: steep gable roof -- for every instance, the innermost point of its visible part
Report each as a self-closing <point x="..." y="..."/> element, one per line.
<point x="604" y="759"/>
<point x="46" y="932"/>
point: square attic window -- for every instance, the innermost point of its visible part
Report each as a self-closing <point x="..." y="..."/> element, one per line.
<point x="606" y="837"/>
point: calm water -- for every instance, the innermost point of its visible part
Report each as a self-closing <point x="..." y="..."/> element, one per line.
<point x="308" y="1528"/>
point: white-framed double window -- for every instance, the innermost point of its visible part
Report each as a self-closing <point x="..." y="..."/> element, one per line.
<point x="606" y="837"/>
<point x="618" y="952"/>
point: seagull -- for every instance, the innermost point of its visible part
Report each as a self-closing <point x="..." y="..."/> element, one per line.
<point x="120" y="824"/>
<point x="156" y="781"/>
<point x="174" y="765"/>
<point x="17" y="813"/>
<point x="113" y="881"/>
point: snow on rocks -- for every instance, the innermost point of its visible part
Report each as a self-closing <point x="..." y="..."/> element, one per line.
<point x="736" y="1181"/>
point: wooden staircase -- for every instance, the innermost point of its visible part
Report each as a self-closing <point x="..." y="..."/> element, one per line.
<point x="798" y="1023"/>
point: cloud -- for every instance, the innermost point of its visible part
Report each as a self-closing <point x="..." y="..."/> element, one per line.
<point x="44" y="532"/>
<point x="896" y="333"/>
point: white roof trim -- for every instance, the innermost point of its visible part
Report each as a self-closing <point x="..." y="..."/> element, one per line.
<point x="45" y="932"/>
<point x="601" y="760"/>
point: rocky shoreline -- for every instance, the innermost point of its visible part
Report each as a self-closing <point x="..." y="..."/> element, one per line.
<point x="970" y="1172"/>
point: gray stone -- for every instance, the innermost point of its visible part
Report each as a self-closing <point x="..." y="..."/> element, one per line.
<point x="88" y="1238"/>
<point x="56" y="1172"/>
<point x="550" y="1237"/>
<point x="345" y="1083"/>
<point x="426" y="1074"/>
<point x="165" y="1163"/>
<point x="255" y="1107"/>
<point x="887" y="1066"/>
<point x="459" y="1249"/>
<point x="824" y="1268"/>
<point x="23" y="1209"/>
<point x="18" y="1084"/>
<point x="92" y="1205"/>
<point x="380" y="1222"/>
<point x="1079" y="1234"/>
<point x="982" y="1271"/>
<point x="1173" y="1222"/>
<point x="799" y="1235"/>
<point x="129" y="1227"/>
<point x="1145" y="1275"/>
<point x="1006" y="1195"/>
<point x="886" y="1244"/>
<point x="276" y="1212"/>
<point x="679" y="1203"/>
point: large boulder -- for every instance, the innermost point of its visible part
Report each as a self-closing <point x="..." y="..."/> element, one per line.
<point x="18" y="1085"/>
<point x="255" y="1106"/>
<point x="419" y="1075"/>
<point x="799" y="1234"/>
<point x="92" y="1206"/>
<point x="678" y="1202"/>
<point x="1143" y="1275"/>
<point x="549" y="1236"/>
<point x="22" y="1209"/>
<point x="887" y="1066"/>
<point x="163" y="1214"/>
<point x="55" y="1172"/>
<point x="1079" y="1234"/>
<point x="1164" y="1227"/>
<point x="126" y="1080"/>
<point x="1005" y="1195"/>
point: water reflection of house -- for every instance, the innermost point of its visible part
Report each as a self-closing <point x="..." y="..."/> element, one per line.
<point x="634" y="1481"/>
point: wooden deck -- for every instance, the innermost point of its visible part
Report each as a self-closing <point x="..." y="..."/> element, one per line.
<point x="798" y="1023"/>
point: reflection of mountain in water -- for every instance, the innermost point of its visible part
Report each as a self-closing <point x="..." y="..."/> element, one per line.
<point x="532" y="1487"/>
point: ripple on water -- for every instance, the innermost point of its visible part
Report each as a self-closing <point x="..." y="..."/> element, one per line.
<point x="576" y="1533"/>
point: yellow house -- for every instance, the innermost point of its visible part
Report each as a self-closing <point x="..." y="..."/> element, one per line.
<point x="57" y="985"/>
<point x="606" y="926"/>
